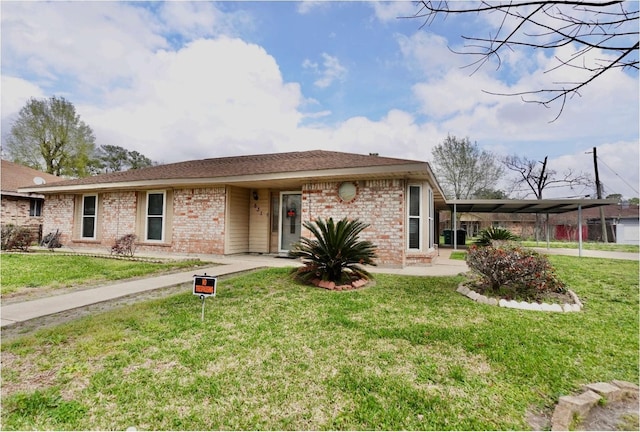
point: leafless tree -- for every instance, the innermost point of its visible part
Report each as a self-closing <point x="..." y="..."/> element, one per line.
<point x="537" y="175"/>
<point x="463" y="168"/>
<point x="610" y="27"/>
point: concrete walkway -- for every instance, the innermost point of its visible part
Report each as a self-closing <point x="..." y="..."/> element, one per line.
<point x="21" y="312"/>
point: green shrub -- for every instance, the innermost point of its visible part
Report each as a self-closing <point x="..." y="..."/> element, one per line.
<point x="336" y="253"/>
<point x="491" y="234"/>
<point x="513" y="272"/>
<point x="16" y="238"/>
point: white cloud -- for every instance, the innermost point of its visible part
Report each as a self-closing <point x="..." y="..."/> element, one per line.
<point x="193" y="20"/>
<point x="391" y="11"/>
<point x="203" y="100"/>
<point x="331" y="70"/>
<point x="96" y="43"/>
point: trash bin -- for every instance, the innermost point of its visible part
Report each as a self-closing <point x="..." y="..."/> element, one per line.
<point x="448" y="237"/>
<point x="461" y="237"/>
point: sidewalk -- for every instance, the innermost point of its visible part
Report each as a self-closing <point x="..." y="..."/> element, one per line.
<point x="17" y="313"/>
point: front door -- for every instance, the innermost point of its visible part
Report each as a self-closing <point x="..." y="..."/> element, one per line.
<point x="290" y="207"/>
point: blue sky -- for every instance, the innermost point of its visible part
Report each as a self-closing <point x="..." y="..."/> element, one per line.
<point x="188" y="80"/>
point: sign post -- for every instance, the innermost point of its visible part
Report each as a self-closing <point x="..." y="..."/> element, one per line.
<point x="204" y="286"/>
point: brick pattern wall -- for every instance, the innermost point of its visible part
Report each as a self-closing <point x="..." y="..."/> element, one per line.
<point x="379" y="203"/>
<point x="15" y="211"/>
<point x="198" y="220"/>
<point x="58" y="211"/>
<point x="117" y="212"/>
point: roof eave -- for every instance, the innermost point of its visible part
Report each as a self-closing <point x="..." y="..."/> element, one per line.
<point x="416" y="170"/>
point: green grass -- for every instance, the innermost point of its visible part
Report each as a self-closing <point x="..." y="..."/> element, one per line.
<point x="585" y="245"/>
<point x="19" y="271"/>
<point x="458" y="255"/>
<point x="405" y="353"/>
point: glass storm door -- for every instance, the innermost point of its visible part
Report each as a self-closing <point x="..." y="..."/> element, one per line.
<point x="290" y="206"/>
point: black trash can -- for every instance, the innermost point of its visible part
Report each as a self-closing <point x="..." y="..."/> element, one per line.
<point x="448" y="236"/>
<point x="461" y="237"/>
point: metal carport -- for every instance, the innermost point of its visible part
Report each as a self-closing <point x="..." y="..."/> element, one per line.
<point x="543" y="206"/>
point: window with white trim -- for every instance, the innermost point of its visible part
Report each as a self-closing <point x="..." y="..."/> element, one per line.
<point x="415" y="217"/>
<point x="155" y="216"/>
<point x="35" y="207"/>
<point x="89" y="215"/>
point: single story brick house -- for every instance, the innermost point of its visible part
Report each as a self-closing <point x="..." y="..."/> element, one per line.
<point x="252" y="204"/>
<point x="18" y="208"/>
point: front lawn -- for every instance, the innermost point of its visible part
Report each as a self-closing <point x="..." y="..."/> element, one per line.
<point x="46" y="271"/>
<point x="403" y="353"/>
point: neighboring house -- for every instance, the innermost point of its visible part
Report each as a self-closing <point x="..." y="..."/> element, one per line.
<point x="621" y="220"/>
<point x="23" y="209"/>
<point x="252" y="204"/>
<point x="520" y="224"/>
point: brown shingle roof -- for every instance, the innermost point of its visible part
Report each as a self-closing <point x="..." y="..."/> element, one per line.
<point x="244" y="165"/>
<point x="14" y="176"/>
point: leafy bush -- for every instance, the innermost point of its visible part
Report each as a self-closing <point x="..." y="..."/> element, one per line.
<point x="16" y="238"/>
<point x="513" y="272"/>
<point x="491" y="234"/>
<point x="336" y="253"/>
<point x="125" y="245"/>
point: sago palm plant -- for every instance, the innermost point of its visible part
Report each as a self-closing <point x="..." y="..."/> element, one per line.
<point x="491" y="234"/>
<point x="336" y="254"/>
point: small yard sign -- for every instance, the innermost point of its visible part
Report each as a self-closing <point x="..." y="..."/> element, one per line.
<point x="204" y="285"/>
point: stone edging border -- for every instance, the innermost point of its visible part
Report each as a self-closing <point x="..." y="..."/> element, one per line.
<point x="331" y="286"/>
<point x="513" y="304"/>
<point x="571" y="406"/>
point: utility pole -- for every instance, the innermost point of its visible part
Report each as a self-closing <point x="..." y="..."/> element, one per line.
<point x="603" y="221"/>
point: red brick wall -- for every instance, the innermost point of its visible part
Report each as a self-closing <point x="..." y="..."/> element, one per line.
<point x="58" y="215"/>
<point x="379" y="203"/>
<point x="196" y="224"/>
<point x="15" y="211"/>
<point x="198" y="220"/>
<point x="117" y="218"/>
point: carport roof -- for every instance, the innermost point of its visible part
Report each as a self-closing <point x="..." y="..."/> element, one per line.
<point x="526" y="206"/>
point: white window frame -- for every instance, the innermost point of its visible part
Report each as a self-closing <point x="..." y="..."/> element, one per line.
<point x="163" y="216"/>
<point x="412" y="217"/>
<point x="35" y="207"/>
<point x="94" y="216"/>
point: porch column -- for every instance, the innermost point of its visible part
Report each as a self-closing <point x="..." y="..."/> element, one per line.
<point x="548" y="230"/>
<point x="579" y="230"/>
<point x="455" y="225"/>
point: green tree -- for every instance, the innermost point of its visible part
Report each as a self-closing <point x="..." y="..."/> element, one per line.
<point x="488" y="193"/>
<point x="463" y="168"/>
<point x="48" y="135"/>
<point x="634" y="201"/>
<point x="617" y="197"/>
<point x="112" y="158"/>
<point x="138" y="160"/>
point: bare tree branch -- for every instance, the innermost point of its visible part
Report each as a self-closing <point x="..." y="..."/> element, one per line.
<point x="608" y="26"/>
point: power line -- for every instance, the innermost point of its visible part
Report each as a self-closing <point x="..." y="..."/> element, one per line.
<point x="613" y="171"/>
